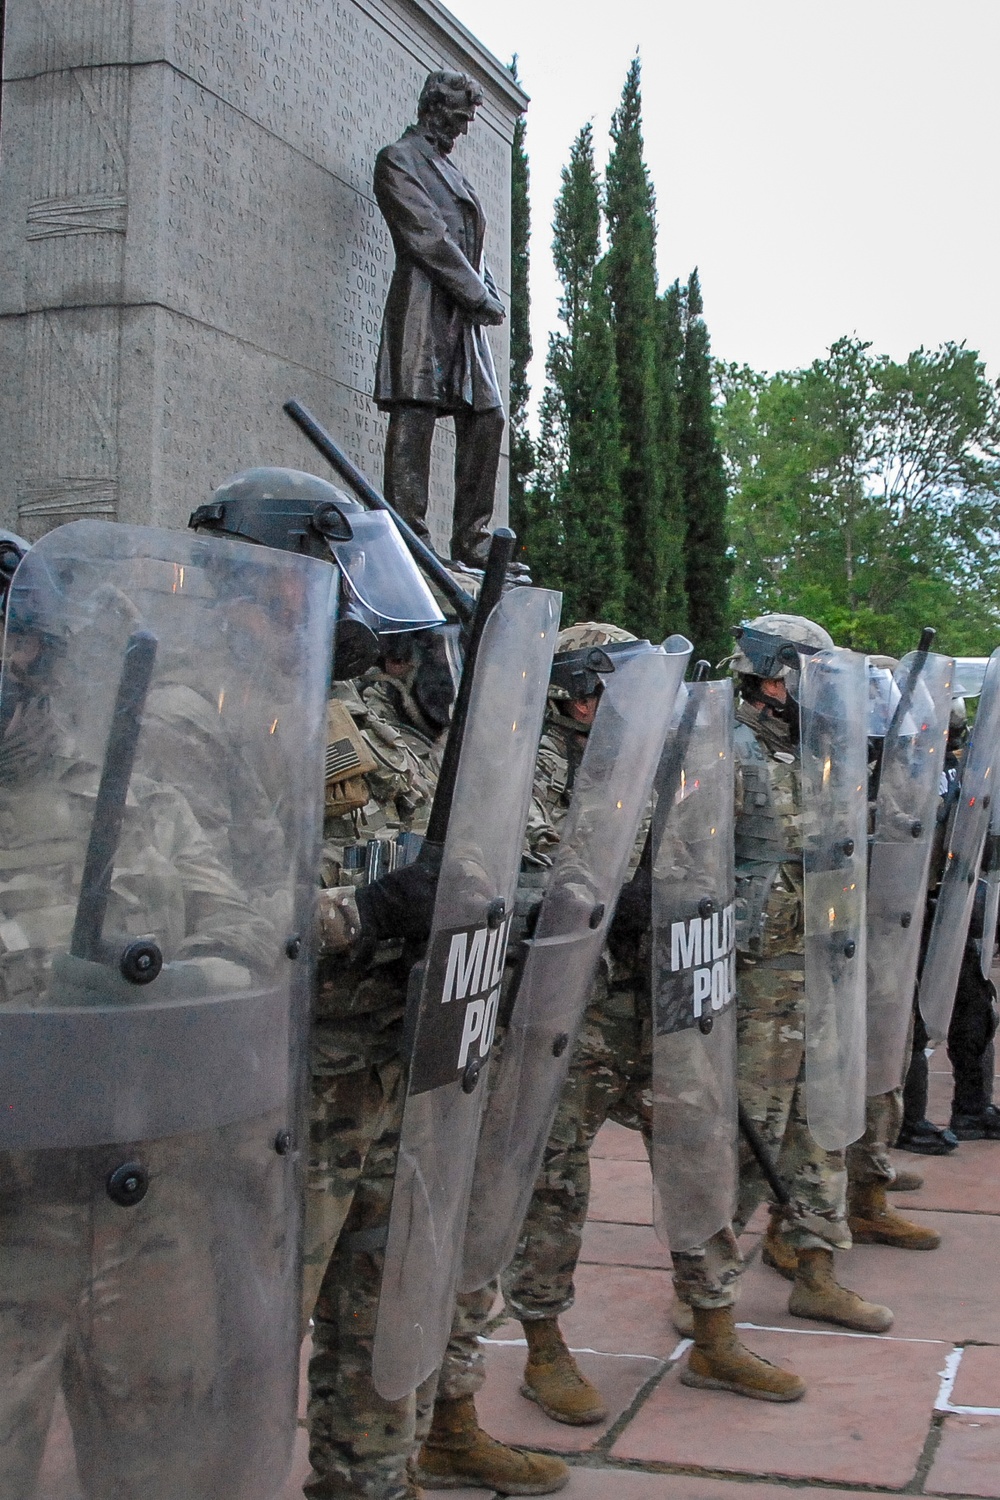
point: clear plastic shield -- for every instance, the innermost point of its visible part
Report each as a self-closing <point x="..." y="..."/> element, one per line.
<point x="610" y="794"/>
<point x="966" y="839"/>
<point x="694" y="972"/>
<point x="991" y="895"/>
<point x="162" y="711"/>
<point x="833" y="718"/>
<point x="460" y="990"/>
<point x="899" y="857"/>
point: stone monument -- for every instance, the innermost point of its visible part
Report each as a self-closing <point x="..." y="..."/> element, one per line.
<point x="189" y="237"/>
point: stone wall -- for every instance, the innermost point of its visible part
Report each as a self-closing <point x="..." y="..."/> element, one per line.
<point x="188" y="237"/>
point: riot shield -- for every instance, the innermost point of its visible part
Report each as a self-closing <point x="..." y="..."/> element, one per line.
<point x="610" y="794"/>
<point x="155" y="1000"/>
<point x="694" y="972"/>
<point x="991" y="894"/>
<point x="964" y="848"/>
<point x="899" y="858"/>
<point x="833" y="710"/>
<point x="460" y="990"/>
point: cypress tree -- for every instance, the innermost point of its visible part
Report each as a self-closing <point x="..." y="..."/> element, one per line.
<point x="707" y="564"/>
<point x="579" y="544"/>
<point x="654" y="602"/>
<point x="670" y="352"/>
<point x="522" y="453"/>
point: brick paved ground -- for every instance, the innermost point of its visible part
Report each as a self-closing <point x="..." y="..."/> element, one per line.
<point x="915" y="1412"/>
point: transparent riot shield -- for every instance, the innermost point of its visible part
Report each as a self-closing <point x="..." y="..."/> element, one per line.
<point x="833" y="725"/>
<point x="964" y="848"/>
<point x="154" y="986"/>
<point x="460" y="990"/>
<point x="694" y="972"/>
<point x="610" y="794"/>
<point x="991" y="895"/>
<point x="899" y="857"/>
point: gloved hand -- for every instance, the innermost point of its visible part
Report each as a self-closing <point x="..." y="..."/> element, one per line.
<point x="633" y="913"/>
<point x="400" y="905"/>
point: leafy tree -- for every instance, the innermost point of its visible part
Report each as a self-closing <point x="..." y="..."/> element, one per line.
<point x="522" y="453"/>
<point x="654" y="596"/>
<point x="578" y="545"/>
<point x="707" y="565"/>
<point x="866" y="494"/>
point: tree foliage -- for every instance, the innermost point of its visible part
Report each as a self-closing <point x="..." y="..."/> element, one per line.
<point x="866" y="495"/>
<point x="707" y="566"/>
<point x="577" y="537"/>
<point x="654" y="595"/>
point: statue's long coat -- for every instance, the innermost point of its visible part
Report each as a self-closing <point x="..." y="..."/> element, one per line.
<point x="432" y="351"/>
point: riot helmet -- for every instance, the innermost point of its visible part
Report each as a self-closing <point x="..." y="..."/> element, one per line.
<point x="381" y="589"/>
<point x="586" y="652"/>
<point x="883" y="695"/>
<point x="770" y="648"/>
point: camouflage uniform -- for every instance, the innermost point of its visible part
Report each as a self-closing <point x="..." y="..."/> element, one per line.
<point x="359" y="1444"/>
<point x="140" y="1389"/>
<point x="771" y="987"/>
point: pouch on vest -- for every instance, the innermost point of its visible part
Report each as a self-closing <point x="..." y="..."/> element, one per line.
<point x="348" y="761"/>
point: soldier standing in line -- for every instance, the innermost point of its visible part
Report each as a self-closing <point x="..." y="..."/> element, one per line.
<point x="771" y="984"/>
<point x="610" y="1078"/>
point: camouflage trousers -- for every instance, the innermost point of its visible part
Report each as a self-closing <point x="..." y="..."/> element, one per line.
<point x="464" y="1368"/>
<point x="610" y="1077"/>
<point x="771" y="1071"/>
<point x="359" y="1443"/>
<point x="149" y="1319"/>
<point x="868" y="1159"/>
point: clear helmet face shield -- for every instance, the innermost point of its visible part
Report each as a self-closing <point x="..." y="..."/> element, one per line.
<point x="883" y="698"/>
<point x="380" y="575"/>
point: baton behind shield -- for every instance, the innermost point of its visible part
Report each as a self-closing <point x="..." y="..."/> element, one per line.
<point x="87" y="941"/>
<point x="758" y="1146"/>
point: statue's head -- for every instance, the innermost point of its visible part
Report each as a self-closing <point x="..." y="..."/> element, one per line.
<point x="447" y="107"/>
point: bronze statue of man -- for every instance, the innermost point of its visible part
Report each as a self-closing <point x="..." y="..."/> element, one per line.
<point x="434" y="359"/>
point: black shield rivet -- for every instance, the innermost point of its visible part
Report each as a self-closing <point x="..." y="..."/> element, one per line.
<point x="495" y="913"/>
<point x="283" y="1142"/>
<point x="848" y="847"/>
<point x="705" y="1025"/>
<point x="471" y="1075"/>
<point x="850" y="949"/>
<point x="560" y="1044"/>
<point x="706" y="906"/>
<point x="916" y="828"/>
<point x="128" y="1184"/>
<point x="293" y="946"/>
<point x="141" y="961"/>
<point x="905" y="919"/>
<point x="597" y="916"/>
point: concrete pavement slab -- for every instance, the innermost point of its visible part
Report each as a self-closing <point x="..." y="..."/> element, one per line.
<point x="977" y="1382"/>
<point x="618" y="1143"/>
<point x="621" y="1192"/>
<point x="967" y="1461"/>
<point x="840" y="1431"/>
<point x="623" y="1245"/>
<point x="967" y="1181"/>
<point x="589" y="1483"/>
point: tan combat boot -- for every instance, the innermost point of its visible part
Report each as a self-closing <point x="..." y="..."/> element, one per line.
<point x="873" y="1222"/>
<point x="720" y="1362"/>
<point x="817" y="1295"/>
<point x="776" y="1252"/>
<point x="459" y="1454"/>
<point x="552" y="1380"/>
<point x="905" y="1182"/>
<point x="682" y="1318"/>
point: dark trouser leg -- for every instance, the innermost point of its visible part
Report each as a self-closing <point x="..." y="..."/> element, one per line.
<point x="408" y="463"/>
<point x="973" y="1023"/>
<point x="915" y="1086"/>
<point x="478" y="436"/>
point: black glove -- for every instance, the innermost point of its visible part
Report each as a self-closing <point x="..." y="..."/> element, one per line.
<point x="633" y="913"/>
<point x="400" y="905"/>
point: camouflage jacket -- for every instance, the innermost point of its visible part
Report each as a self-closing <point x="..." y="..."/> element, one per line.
<point x="768" y="792"/>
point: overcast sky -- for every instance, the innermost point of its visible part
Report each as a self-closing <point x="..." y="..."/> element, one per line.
<point x="831" y="166"/>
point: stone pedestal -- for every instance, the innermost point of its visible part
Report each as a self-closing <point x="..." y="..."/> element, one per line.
<point x="188" y="238"/>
